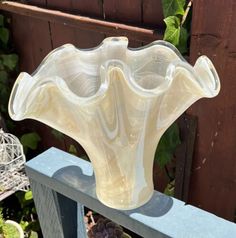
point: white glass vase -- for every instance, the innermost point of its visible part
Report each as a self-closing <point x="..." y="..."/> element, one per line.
<point x="117" y="103"/>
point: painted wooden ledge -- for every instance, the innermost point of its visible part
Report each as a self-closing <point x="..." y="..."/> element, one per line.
<point x="62" y="184"/>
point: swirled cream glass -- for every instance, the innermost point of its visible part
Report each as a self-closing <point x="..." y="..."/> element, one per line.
<point x="117" y="103"/>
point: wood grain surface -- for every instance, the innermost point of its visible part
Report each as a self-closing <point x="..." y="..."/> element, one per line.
<point x="213" y="180"/>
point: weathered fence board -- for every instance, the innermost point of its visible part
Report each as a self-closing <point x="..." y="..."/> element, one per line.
<point x="128" y="11"/>
<point x="213" y="180"/>
<point x="72" y="177"/>
<point x="152" y="13"/>
<point x="184" y="154"/>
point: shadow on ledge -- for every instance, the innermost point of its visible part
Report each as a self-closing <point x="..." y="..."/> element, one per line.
<point x="73" y="176"/>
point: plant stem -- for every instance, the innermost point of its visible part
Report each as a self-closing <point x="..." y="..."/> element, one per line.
<point x="168" y="174"/>
<point x="186" y="12"/>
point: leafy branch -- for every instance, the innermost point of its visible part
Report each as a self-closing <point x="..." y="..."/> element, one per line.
<point x="167" y="145"/>
<point x="177" y="31"/>
<point x="8" y="66"/>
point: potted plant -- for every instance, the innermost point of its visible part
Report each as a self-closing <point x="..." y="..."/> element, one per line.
<point x="10" y="229"/>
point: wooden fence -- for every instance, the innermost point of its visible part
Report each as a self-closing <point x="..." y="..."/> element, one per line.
<point x="213" y="174"/>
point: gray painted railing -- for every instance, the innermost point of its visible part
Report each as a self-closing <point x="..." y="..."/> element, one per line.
<point x="62" y="184"/>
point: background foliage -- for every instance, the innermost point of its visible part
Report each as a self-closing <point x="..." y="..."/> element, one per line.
<point x="20" y="207"/>
<point x="177" y="27"/>
<point x="177" y="20"/>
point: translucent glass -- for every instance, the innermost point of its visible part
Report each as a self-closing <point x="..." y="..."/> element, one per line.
<point x="117" y="103"/>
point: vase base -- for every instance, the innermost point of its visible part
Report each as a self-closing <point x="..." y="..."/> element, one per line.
<point x="125" y="205"/>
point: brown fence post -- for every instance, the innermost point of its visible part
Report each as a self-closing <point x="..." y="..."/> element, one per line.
<point x="213" y="180"/>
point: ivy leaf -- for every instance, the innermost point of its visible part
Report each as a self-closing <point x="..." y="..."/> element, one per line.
<point x="167" y="145"/>
<point x="28" y="195"/>
<point x="10" y="61"/>
<point x="1" y="20"/>
<point x="4" y="35"/>
<point x="30" y="140"/>
<point x="183" y="38"/>
<point x="33" y="234"/>
<point x="24" y="224"/>
<point x="57" y="134"/>
<point x="173" y="7"/>
<point x="1" y="65"/>
<point x="3" y="77"/>
<point x="170" y="189"/>
<point x="172" y="32"/>
<point x="163" y="158"/>
<point x="84" y="157"/>
<point x="72" y="150"/>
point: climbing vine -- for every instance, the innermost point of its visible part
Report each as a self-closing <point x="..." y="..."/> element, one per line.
<point x="176" y="15"/>
<point x="177" y="20"/>
<point x="8" y="66"/>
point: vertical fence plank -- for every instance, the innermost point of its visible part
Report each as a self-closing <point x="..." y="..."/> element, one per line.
<point x="41" y="42"/>
<point x="89" y="7"/>
<point x="214" y="169"/>
<point x="88" y="39"/>
<point x="153" y="14"/>
<point x="129" y="11"/>
<point x="32" y="40"/>
<point x="23" y="42"/>
<point x="62" y="34"/>
<point x="41" y="3"/>
<point x="123" y="10"/>
<point x="184" y="154"/>
<point x="36" y="37"/>
<point x="64" y="5"/>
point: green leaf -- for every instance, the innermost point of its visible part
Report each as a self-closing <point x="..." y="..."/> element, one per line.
<point x="1" y="20"/>
<point x="182" y="46"/>
<point x="24" y="224"/>
<point x="1" y="65"/>
<point x="4" y="35"/>
<point x="10" y="61"/>
<point x="84" y="157"/>
<point x="167" y="145"/>
<point x="57" y="134"/>
<point x="172" y="32"/>
<point x="72" y="150"/>
<point x="28" y="195"/>
<point x="164" y="157"/>
<point x="3" y="77"/>
<point x="173" y="7"/>
<point x="4" y="93"/>
<point x="30" y="140"/>
<point x="170" y="189"/>
<point x="1" y="221"/>
<point x="33" y="234"/>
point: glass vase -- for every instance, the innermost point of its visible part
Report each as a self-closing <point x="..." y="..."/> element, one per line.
<point x="116" y="102"/>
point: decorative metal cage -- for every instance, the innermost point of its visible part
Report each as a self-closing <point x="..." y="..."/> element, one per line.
<point x="11" y="152"/>
<point x="12" y="159"/>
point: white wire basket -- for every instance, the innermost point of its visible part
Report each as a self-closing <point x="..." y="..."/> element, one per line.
<point x="11" y="152"/>
<point x="13" y="180"/>
<point x="12" y="159"/>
